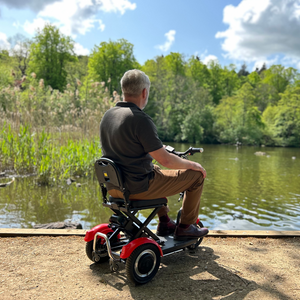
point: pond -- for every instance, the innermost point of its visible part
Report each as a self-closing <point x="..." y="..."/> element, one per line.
<point x="243" y="191"/>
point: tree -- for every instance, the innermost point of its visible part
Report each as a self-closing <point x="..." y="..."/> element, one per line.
<point x="109" y="61"/>
<point x="254" y="78"/>
<point x="279" y="77"/>
<point x="198" y="71"/>
<point x="175" y="63"/>
<point x="20" y="51"/>
<point x="284" y="119"/>
<point x="50" y="53"/>
<point x="216" y="81"/>
<point x="231" y="81"/>
<point x="262" y="69"/>
<point x="238" y="119"/>
<point x="243" y="71"/>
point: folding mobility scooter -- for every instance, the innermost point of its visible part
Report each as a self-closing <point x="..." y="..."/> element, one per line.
<point x="126" y="239"/>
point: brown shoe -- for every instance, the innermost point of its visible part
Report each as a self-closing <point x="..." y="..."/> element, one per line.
<point x="192" y="232"/>
<point x="164" y="229"/>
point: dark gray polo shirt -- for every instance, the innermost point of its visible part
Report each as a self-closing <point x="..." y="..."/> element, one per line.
<point x="127" y="136"/>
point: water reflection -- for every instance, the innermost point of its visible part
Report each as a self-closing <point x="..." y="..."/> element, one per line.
<point x="242" y="191"/>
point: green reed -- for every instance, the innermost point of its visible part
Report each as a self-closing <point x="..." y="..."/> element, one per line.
<point x="26" y="151"/>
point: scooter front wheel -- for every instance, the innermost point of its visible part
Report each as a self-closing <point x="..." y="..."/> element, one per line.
<point x="143" y="263"/>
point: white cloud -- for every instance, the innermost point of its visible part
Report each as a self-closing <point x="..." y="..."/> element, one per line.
<point x="116" y="5"/>
<point x="80" y="50"/>
<point x="104" y="5"/>
<point x="32" y="27"/>
<point x="101" y="25"/>
<point x="79" y="16"/>
<point x="4" y="44"/>
<point x="170" y="40"/>
<point x="260" y="29"/>
<point x="17" y="24"/>
<point x="269" y="62"/>
<point x="207" y="59"/>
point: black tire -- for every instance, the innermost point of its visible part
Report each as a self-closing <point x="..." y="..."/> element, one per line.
<point x="89" y="252"/>
<point x="143" y="264"/>
<point x="104" y="254"/>
<point x="195" y="246"/>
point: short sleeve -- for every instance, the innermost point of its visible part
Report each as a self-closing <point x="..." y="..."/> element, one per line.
<point x="147" y="134"/>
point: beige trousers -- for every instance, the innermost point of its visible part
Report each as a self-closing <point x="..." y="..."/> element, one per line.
<point x="171" y="182"/>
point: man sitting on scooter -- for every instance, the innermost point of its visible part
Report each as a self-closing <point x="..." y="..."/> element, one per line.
<point x="129" y="137"/>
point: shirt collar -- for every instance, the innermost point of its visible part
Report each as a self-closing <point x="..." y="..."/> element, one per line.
<point x="127" y="104"/>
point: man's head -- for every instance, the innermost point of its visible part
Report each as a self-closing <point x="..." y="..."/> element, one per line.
<point x="135" y="86"/>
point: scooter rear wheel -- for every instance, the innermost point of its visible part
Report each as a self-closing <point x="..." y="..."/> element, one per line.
<point x="89" y="252"/>
<point x="143" y="264"/>
<point x="102" y="255"/>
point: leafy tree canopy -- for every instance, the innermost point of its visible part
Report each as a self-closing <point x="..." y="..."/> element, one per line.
<point x="109" y="61"/>
<point x="49" y="54"/>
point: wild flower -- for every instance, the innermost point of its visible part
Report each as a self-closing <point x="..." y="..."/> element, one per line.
<point x="115" y="93"/>
<point x="103" y="83"/>
<point x="41" y="83"/>
<point x="32" y="88"/>
<point x="78" y="82"/>
<point x="23" y="78"/>
<point x="109" y="80"/>
<point x="33" y="75"/>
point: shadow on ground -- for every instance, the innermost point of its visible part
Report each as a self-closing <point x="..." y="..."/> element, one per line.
<point x="188" y="276"/>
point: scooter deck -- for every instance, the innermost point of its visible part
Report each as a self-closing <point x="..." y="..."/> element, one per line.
<point x="170" y="245"/>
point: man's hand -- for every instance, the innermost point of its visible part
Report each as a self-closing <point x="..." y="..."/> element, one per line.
<point x="198" y="167"/>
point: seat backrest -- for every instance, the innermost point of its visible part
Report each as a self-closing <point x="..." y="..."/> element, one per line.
<point x="108" y="172"/>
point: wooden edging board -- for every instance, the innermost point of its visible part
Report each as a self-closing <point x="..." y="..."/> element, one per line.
<point x="15" y="232"/>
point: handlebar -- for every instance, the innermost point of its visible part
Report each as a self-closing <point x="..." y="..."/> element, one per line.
<point x="189" y="151"/>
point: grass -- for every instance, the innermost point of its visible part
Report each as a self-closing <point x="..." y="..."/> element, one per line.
<point x="28" y="152"/>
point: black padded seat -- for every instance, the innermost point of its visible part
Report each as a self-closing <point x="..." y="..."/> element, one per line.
<point x="139" y="203"/>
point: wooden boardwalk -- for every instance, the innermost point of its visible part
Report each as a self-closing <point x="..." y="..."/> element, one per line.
<point x="14" y="232"/>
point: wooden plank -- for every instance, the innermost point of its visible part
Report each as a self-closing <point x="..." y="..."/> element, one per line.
<point x="10" y="232"/>
<point x="252" y="233"/>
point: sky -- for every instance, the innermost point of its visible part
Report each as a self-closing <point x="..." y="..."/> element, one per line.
<point x="230" y="31"/>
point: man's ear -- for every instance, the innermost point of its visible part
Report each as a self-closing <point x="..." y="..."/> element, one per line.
<point x="144" y="93"/>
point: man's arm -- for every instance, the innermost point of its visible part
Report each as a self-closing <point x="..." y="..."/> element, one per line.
<point x="172" y="161"/>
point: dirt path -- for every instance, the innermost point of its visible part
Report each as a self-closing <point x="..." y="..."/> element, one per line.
<point x="222" y="268"/>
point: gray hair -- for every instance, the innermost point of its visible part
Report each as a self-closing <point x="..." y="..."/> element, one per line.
<point x="134" y="81"/>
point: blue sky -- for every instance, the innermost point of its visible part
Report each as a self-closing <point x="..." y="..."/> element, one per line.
<point x="231" y="31"/>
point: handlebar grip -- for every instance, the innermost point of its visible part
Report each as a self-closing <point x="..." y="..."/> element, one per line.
<point x="197" y="150"/>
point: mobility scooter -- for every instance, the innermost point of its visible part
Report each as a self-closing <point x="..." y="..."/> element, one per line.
<point x="126" y="239"/>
